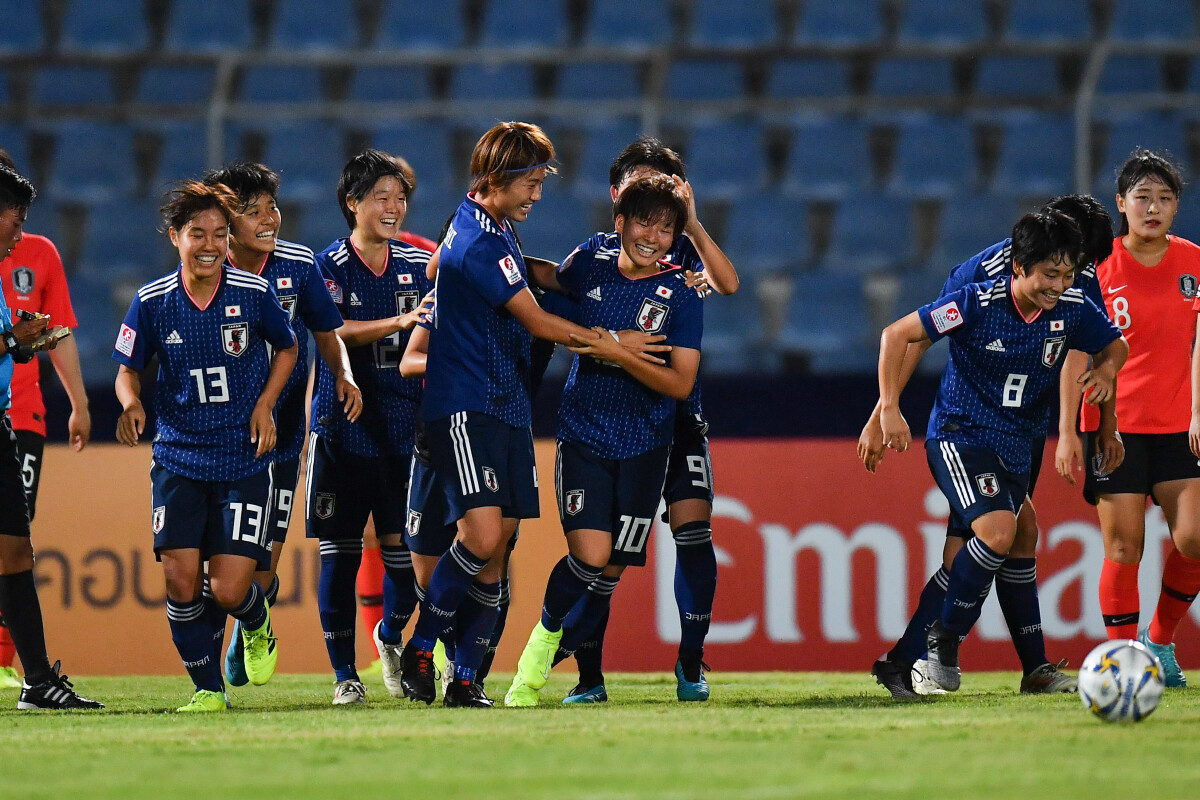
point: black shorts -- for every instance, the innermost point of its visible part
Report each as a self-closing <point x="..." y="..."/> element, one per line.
<point x="483" y="462"/>
<point x="214" y="517"/>
<point x="1150" y="459"/>
<point x="30" y="447"/>
<point x="618" y="496"/>
<point x="974" y="480"/>
<point x="14" y="511"/>
<point x="343" y="489"/>
<point x="427" y="530"/>
<point x="287" y="473"/>
<point x="955" y="528"/>
<point x="689" y="467"/>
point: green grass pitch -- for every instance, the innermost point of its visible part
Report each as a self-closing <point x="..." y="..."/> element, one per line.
<point x="762" y="735"/>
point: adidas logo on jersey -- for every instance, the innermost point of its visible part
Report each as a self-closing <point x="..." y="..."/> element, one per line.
<point x="996" y="346"/>
<point x="354" y="301"/>
<point x="174" y="338"/>
<point x="594" y="293"/>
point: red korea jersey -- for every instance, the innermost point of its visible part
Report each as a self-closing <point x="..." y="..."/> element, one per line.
<point x="417" y="240"/>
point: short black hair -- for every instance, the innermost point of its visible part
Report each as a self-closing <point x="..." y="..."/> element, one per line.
<point x="246" y="179"/>
<point x="1045" y="236"/>
<point x="652" y="199"/>
<point x="6" y="160"/>
<point x="1095" y="225"/>
<point x="15" y="190"/>
<point x="360" y="175"/>
<point x="187" y="199"/>
<point x="1143" y="163"/>
<point x="645" y="151"/>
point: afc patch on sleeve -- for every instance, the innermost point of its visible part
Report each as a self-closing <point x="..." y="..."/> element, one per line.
<point x="512" y="273"/>
<point x="335" y="291"/>
<point x="947" y="317"/>
<point x="125" y="340"/>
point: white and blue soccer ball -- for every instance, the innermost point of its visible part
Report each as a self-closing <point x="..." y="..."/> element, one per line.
<point x="1121" y="681"/>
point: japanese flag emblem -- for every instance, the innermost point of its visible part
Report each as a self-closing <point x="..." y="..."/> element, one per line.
<point x="233" y="311"/>
<point x="663" y="291"/>
<point x="405" y="278"/>
<point x="283" y="283"/>
<point x="1057" y="325"/>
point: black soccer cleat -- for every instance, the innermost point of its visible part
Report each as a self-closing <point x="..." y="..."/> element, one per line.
<point x="466" y="694"/>
<point x="55" y="693"/>
<point x="418" y="677"/>
<point x="943" y="657"/>
<point x="895" y="676"/>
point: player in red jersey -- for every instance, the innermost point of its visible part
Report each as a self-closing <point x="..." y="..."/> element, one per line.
<point x="1149" y="284"/>
<point x="34" y="281"/>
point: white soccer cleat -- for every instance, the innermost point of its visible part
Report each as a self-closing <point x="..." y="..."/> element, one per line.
<point x="922" y="684"/>
<point x="389" y="657"/>
<point x="348" y="693"/>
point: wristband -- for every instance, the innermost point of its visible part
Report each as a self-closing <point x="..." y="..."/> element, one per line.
<point x="10" y="342"/>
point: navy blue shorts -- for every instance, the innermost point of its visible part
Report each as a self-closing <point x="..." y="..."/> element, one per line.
<point x="427" y="531"/>
<point x="954" y="528"/>
<point x="287" y="474"/>
<point x="343" y="489"/>
<point x="483" y="462"/>
<point x="974" y="480"/>
<point x="1150" y="459"/>
<point x="604" y="494"/>
<point x="689" y="468"/>
<point x="214" y="517"/>
<point x="14" y="511"/>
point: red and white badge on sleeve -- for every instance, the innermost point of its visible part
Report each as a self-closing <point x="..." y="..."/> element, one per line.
<point x="512" y="273"/>
<point x="125" y="340"/>
<point x="335" y="291"/>
<point x="946" y="317"/>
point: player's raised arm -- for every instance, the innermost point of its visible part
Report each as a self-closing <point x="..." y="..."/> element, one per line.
<point x="722" y="276"/>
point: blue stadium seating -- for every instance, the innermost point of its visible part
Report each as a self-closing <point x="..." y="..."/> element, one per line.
<point x="27" y="37"/>
<point x="913" y="77"/>
<point x="426" y="146"/>
<point x="622" y="23"/>
<point x="524" y="23"/>
<point x="871" y="233"/>
<point x="12" y="139"/>
<point x="732" y="327"/>
<point x="1158" y="131"/>
<point x="183" y="154"/>
<point x="1193" y="81"/>
<point x="1152" y="20"/>
<point x="829" y="158"/>
<point x="943" y="21"/>
<point x="598" y="81"/>
<point x="209" y="27"/>
<point x="705" y="80"/>
<point x="724" y="158"/>
<point x="492" y="82"/>
<point x="840" y="22"/>
<point x="1187" y="220"/>
<point x="313" y="25"/>
<point x="73" y="86"/>
<point x="270" y="83"/>
<point x="1037" y="156"/>
<point x="747" y="23"/>
<point x="767" y="233"/>
<point x="827" y="311"/>
<point x="122" y="236"/>
<point x="602" y="140"/>
<point x="808" y="77"/>
<point x="111" y="26"/>
<point x="1131" y="74"/>
<point x="93" y="162"/>
<point x="556" y="226"/>
<point x="99" y="319"/>
<point x="176" y="84"/>
<point x="308" y="157"/>
<point x="5" y="94"/>
<point x="1017" y="76"/>
<point x="418" y="25"/>
<point x="970" y="223"/>
<point x="935" y="156"/>
<point x="1040" y="21"/>
<point x="318" y="224"/>
<point x="401" y="83"/>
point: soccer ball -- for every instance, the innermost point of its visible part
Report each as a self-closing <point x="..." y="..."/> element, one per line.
<point x="1121" y="681"/>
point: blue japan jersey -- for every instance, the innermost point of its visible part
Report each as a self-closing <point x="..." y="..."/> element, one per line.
<point x="479" y="361"/>
<point x="293" y="274"/>
<point x="996" y="262"/>
<point x="604" y="407"/>
<point x="213" y="364"/>
<point x="390" y="401"/>
<point x="6" y="360"/>
<point x="1003" y="370"/>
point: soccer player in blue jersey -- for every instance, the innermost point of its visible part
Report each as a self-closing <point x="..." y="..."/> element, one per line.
<point x="358" y="468"/>
<point x="1016" y="582"/>
<point x="1008" y="338"/>
<point x="254" y="246"/>
<point x="618" y="415"/>
<point x="212" y="328"/>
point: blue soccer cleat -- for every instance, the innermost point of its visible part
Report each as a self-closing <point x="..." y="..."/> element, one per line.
<point x="690" y="691"/>
<point x="1172" y="673"/>
<point x="582" y="695"/>
<point x="235" y="661"/>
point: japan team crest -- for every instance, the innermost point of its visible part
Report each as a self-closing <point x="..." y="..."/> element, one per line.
<point x="158" y="518"/>
<point x="1051" y="349"/>
<point x="235" y="337"/>
<point x="573" y="501"/>
<point x="988" y="485"/>
<point x="22" y="279"/>
<point x="406" y="300"/>
<point x="288" y="301"/>
<point x="489" y="479"/>
<point x="414" y="523"/>
<point x="325" y="505"/>
<point x="651" y="316"/>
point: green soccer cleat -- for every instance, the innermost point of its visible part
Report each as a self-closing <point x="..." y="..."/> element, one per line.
<point x="537" y="659"/>
<point x="520" y="695"/>
<point x="9" y="678"/>
<point x="1172" y="673"/>
<point x="204" y="701"/>
<point x="261" y="653"/>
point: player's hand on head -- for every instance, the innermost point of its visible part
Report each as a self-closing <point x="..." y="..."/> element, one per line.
<point x="870" y="444"/>
<point x="684" y="190"/>
<point x="1068" y="456"/>
<point x="350" y="396"/>
<point x="79" y="429"/>
<point x="644" y="345"/>
<point x="896" y="434"/>
<point x="698" y="281"/>
<point x="130" y="424"/>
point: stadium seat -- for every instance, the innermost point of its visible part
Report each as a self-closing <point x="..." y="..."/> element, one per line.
<point x="970" y="222"/>
<point x="27" y="37"/>
<point x="316" y="224"/>
<point x="183" y="153"/>
<point x="602" y="140"/>
<point x="768" y="233"/>
<point x="1017" y="76"/>
<point x="808" y="77"/>
<point x="176" y="85"/>
<point x="1158" y="131"/>
<point x="111" y="26"/>
<point x="827" y="313"/>
<point x="829" y="158"/>
<point x="209" y="27"/>
<point x="426" y="146"/>
<point x="400" y="83"/>
<point x="913" y="76"/>
<point x="270" y="83"/>
<point x="12" y="139"/>
<point x="476" y="81"/>
<point x="5" y="92"/>
<point x="840" y="22"/>
<point x="313" y="25"/>
<point x="524" y="23"/>
<point x="1039" y="21"/>
<point x="871" y="233"/>
<point x="726" y="159"/>
<point x="705" y="80"/>
<point x="615" y="80"/>
<point x="93" y="162"/>
<point x="1187" y="221"/>
<point x="73" y="86"/>
<point x="943" y="22"/>
<point x="1131" y="74"/>
<point x="418" y="25"/>
<point x="557" y="224"/>
<point x="719" y="23"/>
<point x="1193" y="80"/>
<point x="935" y="156"/>
<point x="1152" y="20"/>
<point x="308" y="157"/>
<point x="1037" y="156"/>
<point x="123" y="236"/>
<point x="622" y="23"/>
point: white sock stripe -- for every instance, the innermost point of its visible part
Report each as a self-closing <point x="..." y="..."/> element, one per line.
<point x="584" y="572"/>
<point x="1010" y="575"/>
<point x="331" y="547"/>
<point x="982" y="556"/>
<point x="184" y="612"/>
<point x="958" y="474"/>
<point x="252" y="597"/>
<point x="942" y="578"/>
<point x="396" y="560"/>
<point x="603" y="587"/>
<point x="700" y="536"/>
<point x="464" y="558"/>
<point x="420" y="592"/>
<point x="483" y="596"/>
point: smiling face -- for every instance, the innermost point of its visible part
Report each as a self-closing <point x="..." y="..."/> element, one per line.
<point x="1149" y="206"/>
<point x="255" y="227"/>
<point x="202" y="244"/>
<point x="379" y="214"/>
<point x="1040" y="285"/>
<point x="516" y="200"/>
<point x="12" y="220"/>
<point x="643" y="242"/>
